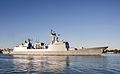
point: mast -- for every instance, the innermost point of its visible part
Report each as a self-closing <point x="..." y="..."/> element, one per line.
<point x="53" y="35"/>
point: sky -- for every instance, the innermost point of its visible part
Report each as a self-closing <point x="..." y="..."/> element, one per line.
<point x="83" y="23"/>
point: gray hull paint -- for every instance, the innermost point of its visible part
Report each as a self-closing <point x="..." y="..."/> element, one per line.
<point x="87" y="51"/>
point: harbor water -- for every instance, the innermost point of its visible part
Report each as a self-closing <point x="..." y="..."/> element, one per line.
<point x="24" y="64"/>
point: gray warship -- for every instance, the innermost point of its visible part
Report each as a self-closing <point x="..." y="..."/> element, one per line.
<point x="54" y="48"/>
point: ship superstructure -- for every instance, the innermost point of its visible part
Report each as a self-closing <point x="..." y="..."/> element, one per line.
<point x="55" y="45"/>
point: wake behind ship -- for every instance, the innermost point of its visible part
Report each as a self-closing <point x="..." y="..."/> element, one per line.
<point x="55" y="48"/>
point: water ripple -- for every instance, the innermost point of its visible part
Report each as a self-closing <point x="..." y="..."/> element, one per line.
<point x="105" y="64"/>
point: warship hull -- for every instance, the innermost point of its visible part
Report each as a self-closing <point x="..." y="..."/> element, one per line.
<point x="80" y="52"/>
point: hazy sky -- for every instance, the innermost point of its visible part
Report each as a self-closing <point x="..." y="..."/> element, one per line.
<point x="87" y="23"/>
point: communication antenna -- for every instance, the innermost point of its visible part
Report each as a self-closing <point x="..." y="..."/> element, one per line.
<point x="59" y="34"/>
<point x="36" y="39"/>
<point x="29" y="39"/>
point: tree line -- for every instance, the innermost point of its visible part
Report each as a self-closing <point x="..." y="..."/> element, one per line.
<point x="115" y="51"/>
<point x="1" y="50"/>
